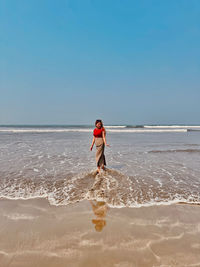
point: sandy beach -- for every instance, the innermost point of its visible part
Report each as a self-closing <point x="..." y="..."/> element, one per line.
<point x="35" y="233"/>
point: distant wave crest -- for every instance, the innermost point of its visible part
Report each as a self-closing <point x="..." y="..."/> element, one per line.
<point x="89" y="130"/>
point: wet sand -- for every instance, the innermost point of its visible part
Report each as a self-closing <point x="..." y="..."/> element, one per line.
<point x="34" y="233"/>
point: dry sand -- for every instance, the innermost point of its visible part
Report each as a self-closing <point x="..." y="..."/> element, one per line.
<point x="34" y="234"/>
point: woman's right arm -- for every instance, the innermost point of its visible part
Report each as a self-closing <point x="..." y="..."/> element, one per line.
<point x="93" y="140"/>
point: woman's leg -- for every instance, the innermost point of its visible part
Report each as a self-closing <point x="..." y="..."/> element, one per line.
<point x="103" y="167"/>
<point x="100" y="157"/>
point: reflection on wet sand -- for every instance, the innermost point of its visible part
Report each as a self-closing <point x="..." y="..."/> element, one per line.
<point x="100" y="209"/>
<point x="34" y="233"/>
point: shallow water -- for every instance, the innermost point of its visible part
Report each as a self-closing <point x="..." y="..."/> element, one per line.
<point x="145" y="168"/>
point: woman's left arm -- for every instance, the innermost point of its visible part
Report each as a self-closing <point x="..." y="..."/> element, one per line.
<point x="104" y="138"/>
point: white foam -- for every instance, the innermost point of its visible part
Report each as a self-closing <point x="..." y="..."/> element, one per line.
<point x="149" y="130"/>
<point x="115" y="126"/>
<point x="155" y="203"/>
<point x="37" y="130"/>
<point x="113" y="187"/>
<point x="158" y="181"/>
<point x="129" y="204"/>
<point x="172" y="126"/>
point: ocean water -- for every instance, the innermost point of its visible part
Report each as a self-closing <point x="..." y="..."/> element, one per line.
<point x="146" y="165"/>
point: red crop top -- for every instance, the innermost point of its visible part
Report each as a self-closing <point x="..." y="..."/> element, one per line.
<point x="98" y="132"/>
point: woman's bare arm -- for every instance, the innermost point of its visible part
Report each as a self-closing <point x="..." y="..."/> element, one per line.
<point x="104" y="137"/>
<point x="93" y="140"/>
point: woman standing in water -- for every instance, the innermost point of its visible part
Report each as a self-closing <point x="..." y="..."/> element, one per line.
<point x="99" y="138"/>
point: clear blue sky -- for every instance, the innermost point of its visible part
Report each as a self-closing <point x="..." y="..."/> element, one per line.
<point x="127" y="62"/>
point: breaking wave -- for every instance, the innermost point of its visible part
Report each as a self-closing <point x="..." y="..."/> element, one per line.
<point x="114" y="129"/>
<point x="113" y="187"/>
<point x="176" y="151"/>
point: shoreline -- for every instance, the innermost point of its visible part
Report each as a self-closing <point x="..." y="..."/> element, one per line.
<point x="35" y="233"/>
<point x="139" y="205"/>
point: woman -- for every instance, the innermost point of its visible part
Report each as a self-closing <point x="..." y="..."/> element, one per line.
<point x="99" y="138"/>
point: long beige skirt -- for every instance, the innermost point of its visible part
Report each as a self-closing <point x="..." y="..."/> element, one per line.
<point x="100" y="157"/>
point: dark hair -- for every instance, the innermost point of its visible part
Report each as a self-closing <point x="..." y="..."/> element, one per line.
<point x="100" y="122"/>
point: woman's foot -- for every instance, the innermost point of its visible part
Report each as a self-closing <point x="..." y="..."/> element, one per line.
<point x="96" y="172"/>
<point x="103" y="168"/>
